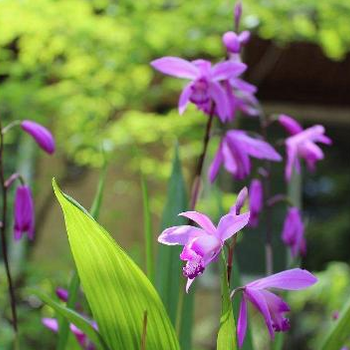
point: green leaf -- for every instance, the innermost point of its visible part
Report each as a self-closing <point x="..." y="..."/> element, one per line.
<point x="227" y="332"/>
<point x="116" y="289"/>
<point x="74" y="318"/>
<point x="63" y="331"/>
<point x="339" y="333"/>
<point x="148" y="231"/>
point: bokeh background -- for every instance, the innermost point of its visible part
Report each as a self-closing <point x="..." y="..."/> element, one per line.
<point x="81" y="68"/>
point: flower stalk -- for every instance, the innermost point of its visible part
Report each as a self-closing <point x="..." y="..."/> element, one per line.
<point x="3" y="234"/>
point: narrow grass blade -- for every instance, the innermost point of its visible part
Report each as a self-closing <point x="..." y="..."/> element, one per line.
<point x="148" y="231"/>
<point x="116" y="289"/>
<point x="339" y="333"/>
<point x="74" y="318"/>
<point x="227" y="332"/>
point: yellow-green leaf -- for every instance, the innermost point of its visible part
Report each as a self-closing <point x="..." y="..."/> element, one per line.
<point x="117" y="290"/>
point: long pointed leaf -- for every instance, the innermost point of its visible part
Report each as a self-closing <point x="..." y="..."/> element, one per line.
<point x="63" y="331"/>
<point x="116" y="289"/>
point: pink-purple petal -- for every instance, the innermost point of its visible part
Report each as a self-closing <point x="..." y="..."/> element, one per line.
<point x="242" y="322"/>
<point x="293" y="279"/>
<point x="227" y="69"/>
<point x="290" y="124"/>
<point x="179" y="234"/>
<point x="230" y="224"/>
<point x="201" y="219"/>
<point x="176" y="67"/>
<point x="215" y="165"/>
<point x="185" y="98"/>
<point x="219" y="96"/>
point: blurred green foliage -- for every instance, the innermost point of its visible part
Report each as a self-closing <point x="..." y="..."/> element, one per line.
<point x="82" y="67"/>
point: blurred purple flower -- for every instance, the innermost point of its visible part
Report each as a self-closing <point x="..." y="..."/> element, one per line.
<point x="41" y="135"/>
<point x="302" y="144"/>
<point x="62" y="294"/>
<point x="52" y="324"/>
<point x="202" y="244"/>
<point x="23" y="213"/>
<point x="269" y="304"/>
<point x="255" y="201"/>
<point x="293" y="232"/>
<point x="205" y="87"/>
<point x="234" y="151"/>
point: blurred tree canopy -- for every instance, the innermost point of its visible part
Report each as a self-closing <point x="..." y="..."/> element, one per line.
<point x="82" y="67"/>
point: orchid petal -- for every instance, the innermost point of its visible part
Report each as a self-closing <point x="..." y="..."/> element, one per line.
<point x="231" y="224"/>
<point x="201" y="219"/>
<point x="215" y="165"/>
<point x="219" y="96"/>
<point x="255" y="147"/>
<point x="227" y="69"/>
<point x="179" y="234"/>
<point x="50" y="323"/>
<point x="257" y="298"/>
<point x="293" y="279"/>
<point x="242" y="322"/>
<point x="290" y="124"/>
<point x="185" y="98"/>
<point x="188" y="284"/>
<point x="176" y="67"/>
<point x="207" y="247"/>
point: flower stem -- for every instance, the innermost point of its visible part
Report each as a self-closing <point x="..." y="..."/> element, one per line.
<point x="144" y="331"/>
<point x="199" y="169"/>
<point x="264" y="123"/>
<point x="230" y="258"/>
<point x="3" y="234"/>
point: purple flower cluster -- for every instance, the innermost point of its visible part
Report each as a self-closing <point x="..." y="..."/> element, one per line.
<point x="219" y="90"/>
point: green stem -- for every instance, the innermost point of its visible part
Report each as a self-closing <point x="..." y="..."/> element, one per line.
<point x="3" y="236"/>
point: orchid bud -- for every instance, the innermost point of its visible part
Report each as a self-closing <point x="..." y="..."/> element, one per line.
<point x="231" y="41"/>
<point x="241" y="198"/>
<point x="24" y="213"/>
<point x="62" y="294"/>
<point x="293" y="232"/>
<point x="40" y="134"/>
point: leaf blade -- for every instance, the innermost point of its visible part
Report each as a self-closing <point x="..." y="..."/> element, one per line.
<point x="116" y="289"/>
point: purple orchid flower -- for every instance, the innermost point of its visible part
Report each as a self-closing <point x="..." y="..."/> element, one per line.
<point x="81" y="337"/>
<point x="302" y="144"/>
<point x="271" y="306"/>
<point x="40" y="134"/>
<point x="204" y="243"/>
<point x="241" y="198"/>
<point x="255" y="202"/>
<point x="24" y="213"/>
<point x="293" y="232"/>
<point x="234" y="151"/>
<point x="204" y="88"/>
